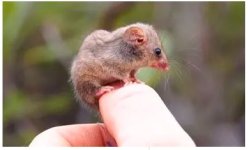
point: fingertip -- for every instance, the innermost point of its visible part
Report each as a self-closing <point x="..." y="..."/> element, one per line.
<point x="124" y="91"/>
<point x="134" y="109"/>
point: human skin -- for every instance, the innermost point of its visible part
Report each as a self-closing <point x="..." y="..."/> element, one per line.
<point x="133" y="115"/>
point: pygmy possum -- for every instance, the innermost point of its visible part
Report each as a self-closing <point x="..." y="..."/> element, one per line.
<point x="105" y="57"/>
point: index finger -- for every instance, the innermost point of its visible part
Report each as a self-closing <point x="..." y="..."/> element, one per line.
<point x="135" y="115"/>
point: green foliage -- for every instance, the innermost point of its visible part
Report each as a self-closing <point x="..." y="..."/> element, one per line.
<point x="137" y="14"/>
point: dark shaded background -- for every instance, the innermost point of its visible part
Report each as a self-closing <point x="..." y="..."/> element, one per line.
<point x="205" y="42"/>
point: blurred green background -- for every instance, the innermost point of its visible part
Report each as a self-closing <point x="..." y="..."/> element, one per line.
<point x="205" y="44"/>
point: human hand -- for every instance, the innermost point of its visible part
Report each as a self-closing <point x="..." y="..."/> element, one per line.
<point x="75" y="135"/>
<point x="133" y="115"/>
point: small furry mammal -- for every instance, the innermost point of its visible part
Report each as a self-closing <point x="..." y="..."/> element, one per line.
<point x="105" y="57"/>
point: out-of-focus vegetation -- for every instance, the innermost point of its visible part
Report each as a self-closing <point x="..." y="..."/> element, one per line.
<point x="204" y="89"/>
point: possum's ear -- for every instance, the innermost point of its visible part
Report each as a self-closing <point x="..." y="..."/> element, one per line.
<point x="135" y="36"/>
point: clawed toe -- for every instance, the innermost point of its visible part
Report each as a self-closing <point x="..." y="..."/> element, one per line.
<point x="103" y="90"/>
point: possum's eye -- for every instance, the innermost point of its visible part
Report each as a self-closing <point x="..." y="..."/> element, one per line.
<point x="157" y="51"/>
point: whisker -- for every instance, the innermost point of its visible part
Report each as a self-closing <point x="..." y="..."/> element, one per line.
<point x="193" y="66"/>
<point x="166" y="83"/>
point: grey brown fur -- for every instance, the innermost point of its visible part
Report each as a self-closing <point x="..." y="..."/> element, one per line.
<point x="105" y="57"/>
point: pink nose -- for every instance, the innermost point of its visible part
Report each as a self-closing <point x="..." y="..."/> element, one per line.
<point x="161" y="64"/>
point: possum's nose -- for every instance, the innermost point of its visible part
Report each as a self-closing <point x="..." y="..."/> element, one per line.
<point x="161" y="64"/>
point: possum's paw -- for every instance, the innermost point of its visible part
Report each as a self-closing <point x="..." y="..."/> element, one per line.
<point x="103" y="90"/>
<point x="135" y="80"/>
<point x="127" y="81"/>
<point x="132" y="80"/>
